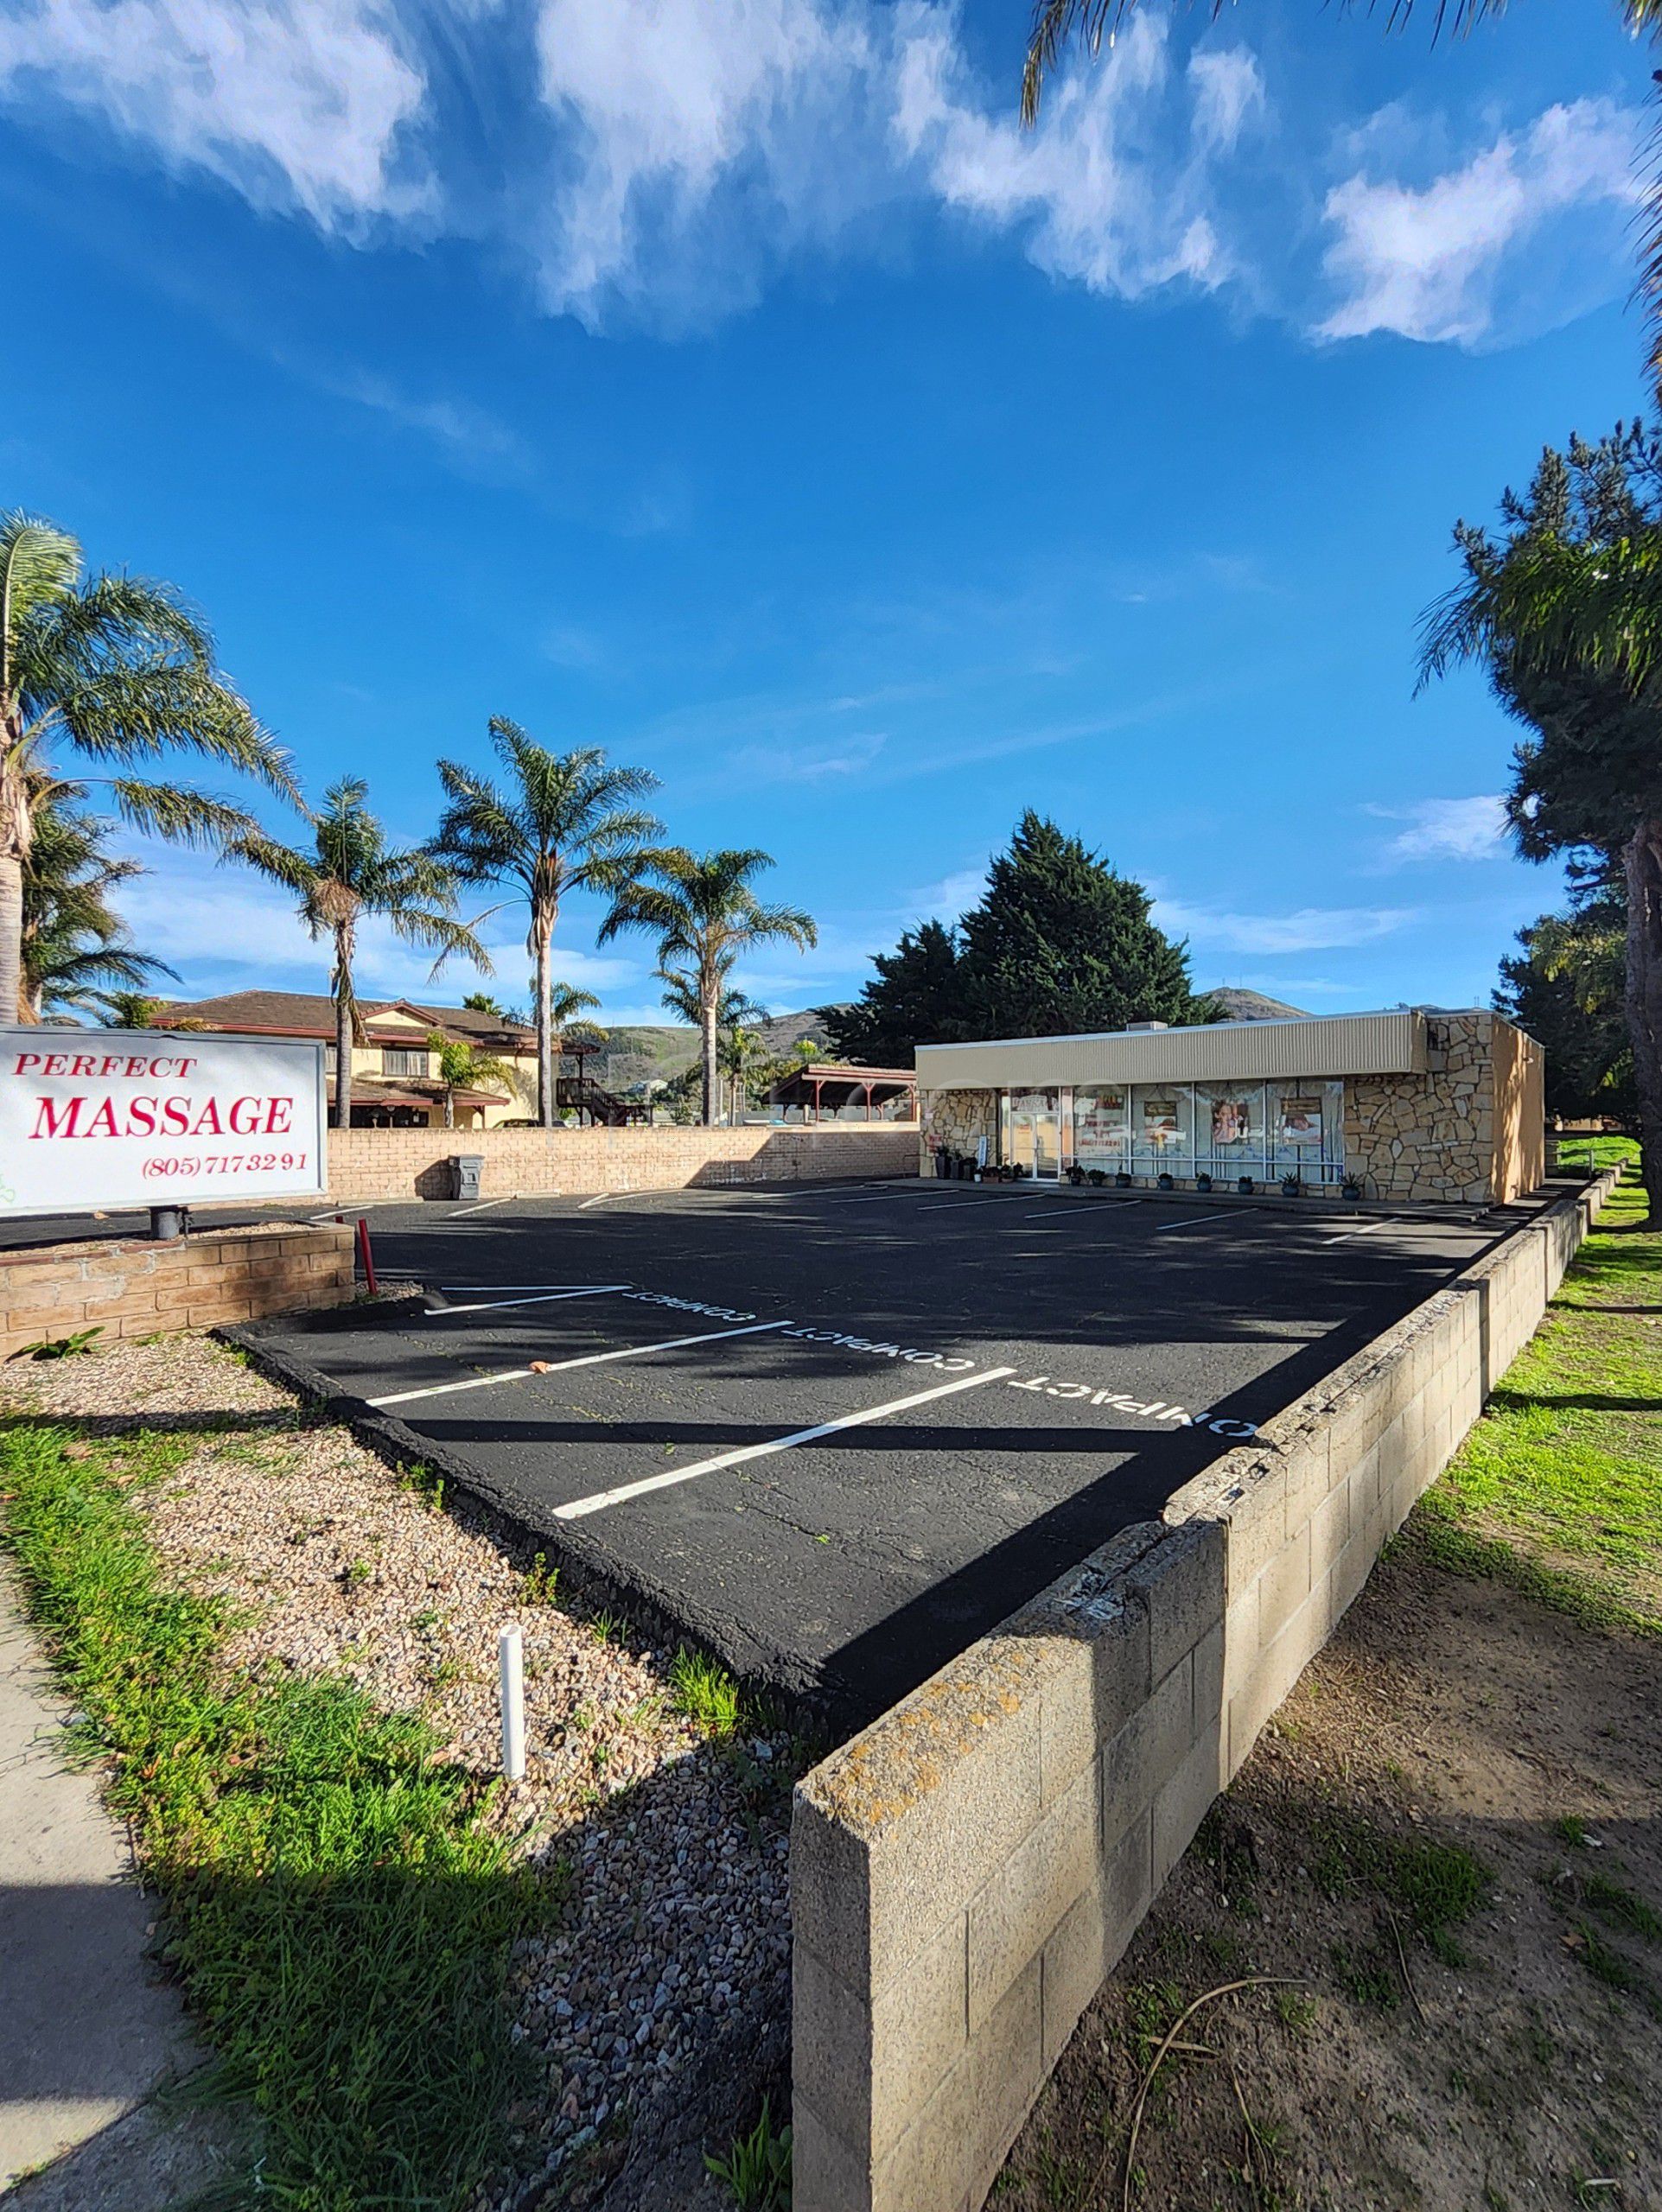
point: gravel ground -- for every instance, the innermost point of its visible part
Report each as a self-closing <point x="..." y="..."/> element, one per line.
<point x="669" y="1969"/>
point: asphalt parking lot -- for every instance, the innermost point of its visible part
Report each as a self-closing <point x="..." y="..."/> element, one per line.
<point x="840" y="1430"/>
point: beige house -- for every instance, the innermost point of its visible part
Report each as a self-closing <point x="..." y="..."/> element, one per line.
<point x="1418" y="1104"/>
<point x="395" y="1076"/>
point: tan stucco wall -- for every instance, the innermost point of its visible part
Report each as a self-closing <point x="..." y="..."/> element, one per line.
<point x="1519" y="1158"/>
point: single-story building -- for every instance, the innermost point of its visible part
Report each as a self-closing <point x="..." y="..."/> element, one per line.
<point x="1421" y="1103"/>
<point x="395" y="1073"/>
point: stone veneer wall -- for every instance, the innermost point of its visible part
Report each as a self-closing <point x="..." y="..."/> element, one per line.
<point x="957" y="1119"/>
<point x="136" y="1289"/>
<point x="1459" y="1132"/>
<point x="381" y="1164"/>
<point x="966" y="1871"/>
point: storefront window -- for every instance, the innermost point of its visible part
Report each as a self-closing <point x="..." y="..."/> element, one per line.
<point x="1101" y="1125"/>
<point x="1230" y="1118"/>
<point x="1161" y="1126"/>
<point x="1032" y="1131"/>
<point x="1307" y="1128"/>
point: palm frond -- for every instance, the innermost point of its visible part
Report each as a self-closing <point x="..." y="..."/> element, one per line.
<point x="181" y="816"/>
<point x="39" y="562"/>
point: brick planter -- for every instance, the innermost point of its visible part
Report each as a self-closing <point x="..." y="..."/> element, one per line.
<point x="193" y="1282"/>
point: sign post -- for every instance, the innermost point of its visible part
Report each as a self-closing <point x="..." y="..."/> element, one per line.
<point x="100" y="1120"/>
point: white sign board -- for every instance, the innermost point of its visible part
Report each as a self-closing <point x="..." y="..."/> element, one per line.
<point x="105" y="1118"/>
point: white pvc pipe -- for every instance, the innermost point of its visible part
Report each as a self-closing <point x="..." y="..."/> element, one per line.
<point x="511" y="1656"/>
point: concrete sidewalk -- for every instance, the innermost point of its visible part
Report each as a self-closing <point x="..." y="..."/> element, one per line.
<point x="87" y="2029"/>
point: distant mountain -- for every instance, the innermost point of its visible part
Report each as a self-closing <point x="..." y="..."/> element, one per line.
<point x="648" y="1053"/>
<point x="1251" y="1005"/>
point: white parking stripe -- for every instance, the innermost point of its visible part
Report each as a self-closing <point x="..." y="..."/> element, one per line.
<point x="581" y="1506"/>
<point x="482" y="1204"/>
<point x="1013" y="1198"/>
<point x="542" y="1298"/>
<point x="1365" y="1228"/>
<point x="1161" y="1226"/>
<point x="559" y="1366"/>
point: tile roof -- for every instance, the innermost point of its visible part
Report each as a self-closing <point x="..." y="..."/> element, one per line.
<point x="306" y="1013"/>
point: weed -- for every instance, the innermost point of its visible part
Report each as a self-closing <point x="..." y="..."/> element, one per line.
<point x="1369" y="1976"/>
<point x="356" y="1571"/>
<point x="73" y="1347"/>
<point x="1605" y="1963"/>
<point x="1622" y="1906"/>
<point x="756" y="2171"/>
<point x="1434" y="1885"/>
<point x="1294" y="2010"/>
<point x="542" y="1581"/>
<point x="703" y="1691"/>
<point x="1572" y="1830"/>
<point x="1063" y="2181"/>
<point x="337" y="1914"/>
<point x="429" y="1617"/>
<point x="606" y="1626"/>
<point x="427" y="1485"/>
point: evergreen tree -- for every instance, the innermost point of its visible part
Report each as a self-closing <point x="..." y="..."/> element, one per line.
<point x="915" y="998"/>
<point x="1062" y="944"/>
<point x="1563" y="608"/>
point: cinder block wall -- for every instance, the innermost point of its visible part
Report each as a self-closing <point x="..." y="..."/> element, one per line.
<point x="967" y="1871"/>
<point x="191" y="1282"/>
<point x="366" y="1164"/>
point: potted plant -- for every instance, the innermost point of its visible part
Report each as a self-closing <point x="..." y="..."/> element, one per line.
<point x="1097" y="1179"/>
<point x="1291" y="1186"/>
<point x="1203" y="1181"/>
<point x="1351" y="1187"/>
<point x="1122" y="1181"/>
<point x="1076" y="1174"/>
<point x="1246" y="1187"/>
<point x="1163" y="1181"/>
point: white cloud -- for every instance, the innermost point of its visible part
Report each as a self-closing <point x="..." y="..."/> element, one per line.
<point x="1309" y="928"/>
<point x="784" y="762"/>
<point x="1447" y="829"/>
<point x="1425" y="263"/>
<point x="1102" y="191"/>
<point x="1228" y="93"/>
<point x="301" y="99"/>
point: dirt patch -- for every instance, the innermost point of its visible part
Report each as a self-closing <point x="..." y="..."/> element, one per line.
<point x="1448" y="1842"/>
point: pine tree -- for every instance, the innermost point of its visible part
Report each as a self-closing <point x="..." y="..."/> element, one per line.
<point x="1062" y="944"/>
<point x="1565" y="987"/>
<point x="915" y="998"/>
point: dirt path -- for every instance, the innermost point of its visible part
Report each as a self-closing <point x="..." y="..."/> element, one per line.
<point x="1449" y="1838"/>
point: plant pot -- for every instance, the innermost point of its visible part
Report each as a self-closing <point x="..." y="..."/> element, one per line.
<point x="1164" y="1182"/>
<point x="1291" y="1186"/>
<point x="1246" y="1187"/>
<point x="1122" y="1181"/>
<point x="1203" y="1181"/>
<point x="1351" y="1192"/>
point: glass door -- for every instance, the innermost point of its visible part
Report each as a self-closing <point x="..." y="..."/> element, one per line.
<point x="1035" y="1133"/>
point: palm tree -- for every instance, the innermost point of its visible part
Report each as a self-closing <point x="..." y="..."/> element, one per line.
<point x="566" y="1004"/>
<point x="462" y="1066"/>
<point x="352" y="872"/>
<point x="566" y="821"/>
<point x="76" y="954"/>
<point x="705" y="915"/>
<point x="735" y="1041"/>
<point x="121" y="670"/>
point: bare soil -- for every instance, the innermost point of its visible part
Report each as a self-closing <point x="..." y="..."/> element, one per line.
<point x="1441" y="2041"/>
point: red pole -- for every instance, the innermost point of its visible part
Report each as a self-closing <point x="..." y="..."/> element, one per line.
<point x="367" y="1257"/>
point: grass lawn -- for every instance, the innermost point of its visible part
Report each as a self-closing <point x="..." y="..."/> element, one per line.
<point x="1558" y="1488"/>
<point x="339" y="1911"/>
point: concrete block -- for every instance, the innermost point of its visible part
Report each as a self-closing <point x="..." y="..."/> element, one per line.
<point x="931" y="2168"/>
<point x="1181" y="1806"/>
<point x="1280" y="1664"/>
<point x="1126" y="1888"/>
<point x="1007" y="2062"/>
<point x="870" y="2069"/>
<point x="1090" y="1685"/>
<point x="1308" y="1471"/>
<point x="1258" y="1527"/>
<point x="1208" y="1681"/>
<point x="1152" y="1746"/>
<point x="1014" y="1917"/>
<point x="830" y="2171"/>
<point x="1330" y="1529"/>
<point x="1183" y="1582"/>
<point x="1284" y="1585"/>
<point x="1074" y="1971"/>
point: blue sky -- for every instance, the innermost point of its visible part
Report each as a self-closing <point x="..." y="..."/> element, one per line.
<point x="735" y="386"/>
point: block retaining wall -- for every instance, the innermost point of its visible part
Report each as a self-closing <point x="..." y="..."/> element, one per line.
<point x="967" y="1871"/>
<point x="380" y="1164"/>
<point x="134" y="1289"/>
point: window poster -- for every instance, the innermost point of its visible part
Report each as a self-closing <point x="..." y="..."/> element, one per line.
<point x="1232" y="1123"/>
<point x="1100" y="1121"/>
<point x="1162" y="1127"/>
<point x="1301" y="1122"/>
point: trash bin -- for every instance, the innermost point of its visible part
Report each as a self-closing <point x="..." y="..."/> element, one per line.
<point x="466" y="1168"/>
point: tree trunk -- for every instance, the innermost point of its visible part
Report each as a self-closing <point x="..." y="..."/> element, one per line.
<point x="542" y="928"/>
<point x="11" y="936"/>
<point x="343" y="1029"/>
<point x="1642" y="866"/>
<point x="450" y="1109"/>
<point x="711" y="1080"/>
